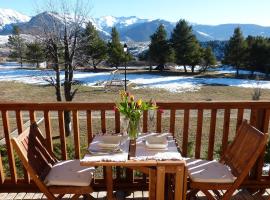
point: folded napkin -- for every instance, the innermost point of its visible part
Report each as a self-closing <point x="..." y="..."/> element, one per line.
<point x="110" y="155"/>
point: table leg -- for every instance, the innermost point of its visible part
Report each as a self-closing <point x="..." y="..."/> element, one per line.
<point x="109" y="183"/>
<point x="179" y="183"/>
<point x="152" y="184"/>
<point x="160" y="182"/>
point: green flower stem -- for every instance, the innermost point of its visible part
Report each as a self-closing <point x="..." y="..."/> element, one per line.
<point x="133" y="130"/>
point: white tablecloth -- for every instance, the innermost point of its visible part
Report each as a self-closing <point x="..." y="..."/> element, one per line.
<point x="142" y="152"/>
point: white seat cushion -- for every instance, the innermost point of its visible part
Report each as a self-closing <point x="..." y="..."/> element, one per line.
<point x="69" y="173"/>
<point x="208" y="171"/>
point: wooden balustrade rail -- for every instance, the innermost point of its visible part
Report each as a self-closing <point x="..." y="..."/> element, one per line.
<point x="200" y="127"/>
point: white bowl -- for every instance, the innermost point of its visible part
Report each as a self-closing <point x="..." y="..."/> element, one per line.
<point x="108" y="141"/>
<point x="155" y="142"/>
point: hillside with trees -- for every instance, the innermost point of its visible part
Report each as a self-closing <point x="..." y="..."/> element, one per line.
<point x="85" y="47"/>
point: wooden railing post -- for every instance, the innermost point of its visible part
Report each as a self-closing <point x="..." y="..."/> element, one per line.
<point x="89" y="126"/>
<point x="158" y="126"/>
<point x="145" y="120"/>
<point x="199" y="134"/>
<point x="62" y="134"/>
<point x="76" y="134"/>
<point x="172" y="122"/>
<point x="212" y="134"/>
<point x="10" y="153"/>
<point x="117" y="121"/>
<point x="185" y="132"/>
<point x="226" y="129"/>
<point x="103" y="121"/>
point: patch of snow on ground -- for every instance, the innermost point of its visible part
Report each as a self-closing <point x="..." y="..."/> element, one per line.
<point x="171" y="83"/>
<point x="3" y="39"/>
<point x="181" y="67"/>
<point x="230" y="70"/>
<point x="9" y="72"/>
<point x="235" y="82"/>
<point x="14" y="65"/>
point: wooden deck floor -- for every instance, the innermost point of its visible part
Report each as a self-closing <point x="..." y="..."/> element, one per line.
<point x="138" y="195"/>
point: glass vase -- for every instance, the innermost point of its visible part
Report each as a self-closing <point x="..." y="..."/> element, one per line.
<point x="133" y="128"/>
<point x="125" y="125"/>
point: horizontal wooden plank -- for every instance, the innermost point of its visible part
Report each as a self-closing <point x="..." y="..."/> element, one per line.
<point x="110" y="105"/>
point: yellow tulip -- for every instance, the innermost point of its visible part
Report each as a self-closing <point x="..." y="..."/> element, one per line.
<point x="131" y="98"/>
<point x="123" y="94"/>
<point x="139" y="102"/>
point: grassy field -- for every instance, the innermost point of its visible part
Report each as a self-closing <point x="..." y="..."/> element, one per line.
<point x="12" y="92"/>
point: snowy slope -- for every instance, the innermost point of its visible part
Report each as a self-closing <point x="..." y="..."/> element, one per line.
<point x="27" y="38"/>
<point x="205" y="35"/>
<point x="8" y="16"/>
<point x="110" y="21"/>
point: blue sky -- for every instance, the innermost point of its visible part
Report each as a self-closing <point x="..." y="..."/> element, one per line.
<point x="197" y="11"/>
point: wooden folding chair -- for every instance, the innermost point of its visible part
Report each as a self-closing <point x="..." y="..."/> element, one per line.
<point x="50" y="175"/>
<point x="229" y="173"/>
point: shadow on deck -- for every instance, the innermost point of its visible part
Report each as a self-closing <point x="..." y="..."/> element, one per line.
<point x="138" y="195"/>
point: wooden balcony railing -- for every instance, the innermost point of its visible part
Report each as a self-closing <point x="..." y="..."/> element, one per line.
<point x="202" y="129"/>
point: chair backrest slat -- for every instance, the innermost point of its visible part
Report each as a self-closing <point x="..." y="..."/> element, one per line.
<point x="25" y="144"/>
<point x="240" y="115"/>
<point x="245" y="148"/>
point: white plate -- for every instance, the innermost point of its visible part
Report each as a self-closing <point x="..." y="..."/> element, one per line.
<point x="155" y="142"/>
<point x="110" y="141"/>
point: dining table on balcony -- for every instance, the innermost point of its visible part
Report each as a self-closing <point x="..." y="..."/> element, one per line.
<point x="164" y="166"/>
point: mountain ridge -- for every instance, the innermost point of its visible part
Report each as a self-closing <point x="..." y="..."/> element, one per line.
<point x="130" y="28"/>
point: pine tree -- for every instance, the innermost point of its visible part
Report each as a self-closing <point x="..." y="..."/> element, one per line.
<point x="92" y="47"/>
<point x="258" y="54"/>
<point x="236" y="50"/>
<point x="186" y="47"/>
<point x="35" y="53"/>
<point x="159" y="48"/>
<point x="195" y="57"/>
<point x="116" y="54"/>
<point x="250" y="60"/>
<point x="17" y="45"/>
<point x="209" y="58"/>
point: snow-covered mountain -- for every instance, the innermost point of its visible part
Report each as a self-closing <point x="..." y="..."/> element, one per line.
<point x="130" y="28"/>
<point x="8" y="16"/>
<point x="107" y="22"/>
